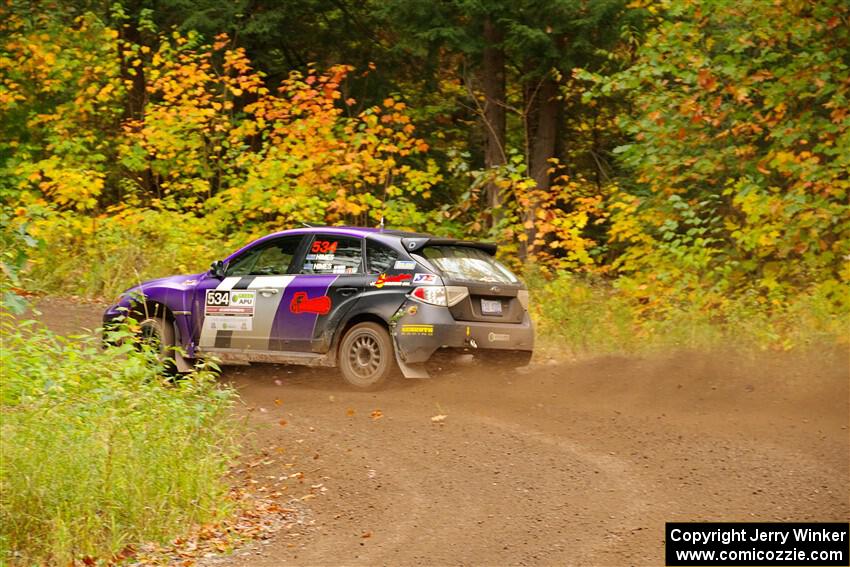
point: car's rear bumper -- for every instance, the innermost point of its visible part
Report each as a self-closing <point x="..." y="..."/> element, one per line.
<point x="418" y="335"/>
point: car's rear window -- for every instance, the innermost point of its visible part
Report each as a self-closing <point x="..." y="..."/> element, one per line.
<point x="468" y="264"/>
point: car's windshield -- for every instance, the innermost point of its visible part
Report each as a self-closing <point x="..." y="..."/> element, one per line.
<point x="468" y="264"/>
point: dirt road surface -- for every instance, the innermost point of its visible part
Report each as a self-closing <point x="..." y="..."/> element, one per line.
<point x="567" y="463"/>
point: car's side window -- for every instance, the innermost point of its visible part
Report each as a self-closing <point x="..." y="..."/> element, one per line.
<point x="242" y="264"/>
<point x="379" y="258"/>
<point x="271" y="258"/>
<point x="330" y="254"/>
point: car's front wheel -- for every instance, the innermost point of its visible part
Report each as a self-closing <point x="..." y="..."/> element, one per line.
<point x="158" y="334"/>
<point x="366" y="357"/>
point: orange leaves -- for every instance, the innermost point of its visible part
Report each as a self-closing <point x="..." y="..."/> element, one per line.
<point x="706" y="80"/>
<point x="553" y="224"/>
<point x="64" y="84"/>
<point x="221" y="41"/>
<point x="317" y="162"/>
<point x="212" y="135"/>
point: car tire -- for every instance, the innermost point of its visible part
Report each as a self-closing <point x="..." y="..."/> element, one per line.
<point x="366" y="357"/>
<point x="159" y="334"/>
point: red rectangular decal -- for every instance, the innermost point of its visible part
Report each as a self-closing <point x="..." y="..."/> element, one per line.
<point x="302" y="304"/>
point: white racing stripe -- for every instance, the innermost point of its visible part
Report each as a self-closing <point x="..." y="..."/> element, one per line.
<point x="264" y="313"/>
<point x="228" y="283"/>
<point x="279" y="282"/>
<point x="207" y="338"/>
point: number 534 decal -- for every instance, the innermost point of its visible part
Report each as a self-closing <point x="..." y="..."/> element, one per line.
<point x="323" y="246"/>
<point x="218" y="297"/>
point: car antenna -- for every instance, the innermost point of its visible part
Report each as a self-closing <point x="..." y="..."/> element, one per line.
<point x="381" y="226"/>
<point x="311" y="224"/>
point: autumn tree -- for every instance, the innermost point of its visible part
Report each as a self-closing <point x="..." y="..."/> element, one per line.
<point x="739" y="159"/>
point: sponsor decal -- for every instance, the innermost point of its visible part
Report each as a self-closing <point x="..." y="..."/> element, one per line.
<point x="243" y="298"/>
<point x="498" y="337"/>
<point x="397" y="280"/>
<point x="404" y="265"/>
<point x="420" y="330"/>
<point x="321" y="257"/>
<point x="425" y="278"/>
<point x="230" y="310"/>
<point x="190" y="282"/>
<point x="302" y="304"/>
<point x="323" y="266"/>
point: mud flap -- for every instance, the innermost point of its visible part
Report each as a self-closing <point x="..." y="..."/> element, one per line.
<point x="411" y="370"/>
<point x="183" y="364"/>
<point x="408" y="370"/>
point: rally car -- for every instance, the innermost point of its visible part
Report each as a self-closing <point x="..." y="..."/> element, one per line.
<point x="364" y="300"/>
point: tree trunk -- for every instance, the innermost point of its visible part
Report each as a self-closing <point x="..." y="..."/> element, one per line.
<point x="544" y="142"/>
<point x="493" y="82"/>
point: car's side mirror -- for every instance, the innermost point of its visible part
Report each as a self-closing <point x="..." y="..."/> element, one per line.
<point x="217" y="269"/>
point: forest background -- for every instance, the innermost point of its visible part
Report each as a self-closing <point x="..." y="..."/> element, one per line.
<point x="670" y="173"/>
<point x="666" y="175"/>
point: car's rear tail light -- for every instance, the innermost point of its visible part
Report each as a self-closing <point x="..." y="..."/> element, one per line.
<point x="440" y="295"/>
<point x="522" y="295"/>
<point x="435" y="295"/>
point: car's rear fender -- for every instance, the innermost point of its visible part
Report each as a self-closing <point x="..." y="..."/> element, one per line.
<point x="374" y="307"/>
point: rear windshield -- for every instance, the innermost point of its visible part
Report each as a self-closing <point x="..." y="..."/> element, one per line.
<point x="468" y="264"/>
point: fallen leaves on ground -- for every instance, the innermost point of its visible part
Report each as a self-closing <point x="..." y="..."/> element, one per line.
<point x="258" y="515"/>
<point x="439" y="418"/>
<point x="258" y="518"/>
<point x="376" y="414"/>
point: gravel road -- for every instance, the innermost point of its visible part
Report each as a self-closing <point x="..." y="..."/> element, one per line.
<point x="567" y="463"/>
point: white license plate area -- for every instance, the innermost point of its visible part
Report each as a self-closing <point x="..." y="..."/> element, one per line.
<point x="491" y="307"/>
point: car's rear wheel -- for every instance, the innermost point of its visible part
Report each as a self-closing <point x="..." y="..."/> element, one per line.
<point x="158" y="334"/>
<point x="366" y="356"/>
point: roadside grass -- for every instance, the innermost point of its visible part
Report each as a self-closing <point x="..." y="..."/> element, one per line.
<point x="103" y="256"/>
<point x="578" y="316"/>
<point x="99" y="451"/>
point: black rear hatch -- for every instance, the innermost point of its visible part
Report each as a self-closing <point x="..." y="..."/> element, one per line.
<point x="488" y="302"/>
<point x="493" y="288"/>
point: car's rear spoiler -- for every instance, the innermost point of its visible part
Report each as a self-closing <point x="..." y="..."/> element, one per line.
<point x="415" y="244"/>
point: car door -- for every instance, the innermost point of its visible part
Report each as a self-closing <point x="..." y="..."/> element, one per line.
<point x="329" y="281"/>
<point x="239" y="311"/>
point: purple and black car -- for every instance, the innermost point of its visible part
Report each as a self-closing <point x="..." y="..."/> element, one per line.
<point x="362" y="299"/>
